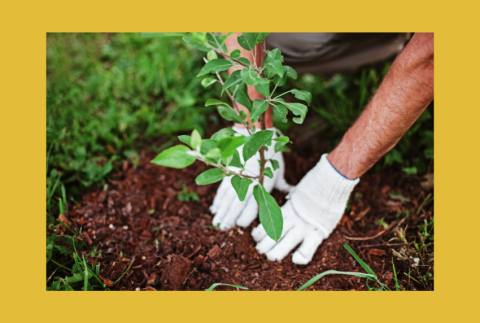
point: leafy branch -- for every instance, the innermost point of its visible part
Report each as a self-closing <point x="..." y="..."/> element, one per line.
<point x="222" y="150"/>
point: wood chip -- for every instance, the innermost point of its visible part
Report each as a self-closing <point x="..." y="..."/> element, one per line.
<point x="362" y="214"/>
<point x="377" y="252"/>
<point x="64" y="219"/>
<point x="87" y="237"/>
<point x="214" y="252"/>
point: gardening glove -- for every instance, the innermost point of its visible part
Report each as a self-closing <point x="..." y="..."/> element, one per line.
<point x="228" y="209"/>
<point x="311" y="214"/>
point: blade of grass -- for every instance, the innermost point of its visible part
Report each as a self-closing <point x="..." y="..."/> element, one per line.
<point x="328" y="272"/>
<point x="360" y="261"/>
<point x="131" y="263"/>
<point x="395" y="275"/>
<point x="85" y="283"/>
<point x="211" y="288"/>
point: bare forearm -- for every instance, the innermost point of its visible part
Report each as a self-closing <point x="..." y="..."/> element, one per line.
<point x="403" y="95"/>
<point x="232" y="44"/>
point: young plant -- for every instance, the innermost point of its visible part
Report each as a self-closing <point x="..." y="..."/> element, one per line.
<point x="220" y="151"/>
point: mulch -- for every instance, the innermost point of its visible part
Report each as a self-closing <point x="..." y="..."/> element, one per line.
<point x="173" y="246"/>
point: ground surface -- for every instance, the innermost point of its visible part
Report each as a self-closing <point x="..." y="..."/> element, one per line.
<point x="176" y="248"/>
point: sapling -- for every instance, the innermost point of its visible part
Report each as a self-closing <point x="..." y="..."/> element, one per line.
<point x="220" y="151"/>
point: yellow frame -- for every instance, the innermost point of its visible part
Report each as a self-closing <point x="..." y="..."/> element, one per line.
<point x="23" y="147"/>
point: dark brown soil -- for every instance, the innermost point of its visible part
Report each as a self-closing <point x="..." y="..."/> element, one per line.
<point x="175" y="247"/>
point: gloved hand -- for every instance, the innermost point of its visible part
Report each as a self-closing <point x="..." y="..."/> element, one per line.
<point x="228" y="209"/>
<point x="311" y="214"/>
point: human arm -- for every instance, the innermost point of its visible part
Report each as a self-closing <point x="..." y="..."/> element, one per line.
<point x="319" y="200"/>
<point x="403" y="95"/>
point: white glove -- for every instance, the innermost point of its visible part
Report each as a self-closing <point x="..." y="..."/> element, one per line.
<point x="228" y="209"/>
<point x="311" y="214"/>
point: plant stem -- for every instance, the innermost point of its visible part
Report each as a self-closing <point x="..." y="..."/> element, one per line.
<point x="220" y="166"/>
<point x="262" y="117"/>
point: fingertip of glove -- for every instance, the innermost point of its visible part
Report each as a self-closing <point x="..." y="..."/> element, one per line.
<point x="299" y="259"/>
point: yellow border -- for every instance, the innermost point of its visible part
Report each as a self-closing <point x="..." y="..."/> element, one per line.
<point x="23" y="141"/>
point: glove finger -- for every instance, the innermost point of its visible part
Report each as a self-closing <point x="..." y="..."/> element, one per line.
<point x="268" y="243"/>
<point x="224" y="207"/>
<point x="249" y="212"/>
<point x="307" y="249"/>
<point x="236" y="207"/>
<point x="258" y="233"/>
<point x="290" y="241"/>
<point x="221" y="192"/>
<point x="265" y="245"/>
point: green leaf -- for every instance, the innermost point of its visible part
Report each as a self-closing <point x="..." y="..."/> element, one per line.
<point x="247" y="41"/>
<point x="302" y="95"/>
<point x="216" y="102"/>
<point x="274" y="55"/>
<point x="268" y="172"/>
<point x="229" y="145"/>
<point x="360" y="261"/>
<point x="259" y="107"/>
<point x="287" y="72"/>
<point x="222" y="133"/>
<point x="262" y="86"/>
<point x="233" y="80"/>
<point x="196" y="139"/>
<point x="196" y="44"/>
<point x="214" y="153"/>
<point x="256" y="141"/>
<point x="210" y="176"/>
<point x="215" y="65"/>
<point x="261" y="36"/>
<point x="229" y="114"/>
<point x="242" y="97"/>
<point x="274" y="63"/>
<point x="328" y="272"/>
<point x="243" y="114"/>
<point x="410" y="170"/>
<point x="207" y="145"/>
<point x="236" y="162"/>
<point x="275" y="164"/>
<point x="279" y="146"/>
<point x="200" y="37"/>
<point x="280" y="111"/>
<point x="249" y="76"/>
<point x="243" y="60"/>
<point x="290" y="72"/>
<point x="212" y="55"/>
<point x="297" y="109"/>
<point x="175" y="157"/>
<point x="216" y="42"/>
<point x="241" y="186"/>
<point x="211" y="288"/>
<point x="206" y="82"/>
<point x="269" y="212"/>
<point x="275" y="68"/>
<point x="162" y="35"/>
<point x="235" y="53"/>
<point x="282" y="139"/>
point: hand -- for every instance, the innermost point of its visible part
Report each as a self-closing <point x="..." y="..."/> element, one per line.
<point x="228" y="209"/>
<point x="314" y="210"/>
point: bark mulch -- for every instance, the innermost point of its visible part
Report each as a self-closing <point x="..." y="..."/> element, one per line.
<point x="174" y="246"/>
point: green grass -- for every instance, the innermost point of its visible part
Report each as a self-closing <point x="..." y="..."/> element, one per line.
<point x="108" y="95"/>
